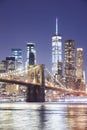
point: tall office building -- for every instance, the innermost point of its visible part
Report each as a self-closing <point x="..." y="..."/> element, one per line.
<point x="79" y="63"/>
<point x="69" y="63"/>
<point x="3" y="66"/>
<point x="80" y="76"/>
<point x="56" y="52"/>
<point x="17" y="53"/>
<point x="31" y="54"/>
<point x="10" y="63"/>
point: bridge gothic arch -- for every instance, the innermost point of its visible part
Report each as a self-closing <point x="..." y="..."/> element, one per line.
<point x="36" y="92"/>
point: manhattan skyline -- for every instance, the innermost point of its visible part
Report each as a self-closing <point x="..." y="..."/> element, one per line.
<point x="35" y="21"/>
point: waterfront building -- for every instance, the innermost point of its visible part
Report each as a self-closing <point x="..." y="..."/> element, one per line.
<point x="17" y="53"/>
<point x="80" y="76"/>
<point x="10" y="63"/>
<point x="2" y="70"/>
<point x="11" y="66"/>
<point x="3" y="66"/>
<point x="31" y="54"/>
<point x="79" y="63"/>
<point x="56" y="52"/>
<point x="69" y="63"/>
<point x="12" y="89"/>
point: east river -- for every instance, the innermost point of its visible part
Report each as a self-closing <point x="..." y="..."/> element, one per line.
<point x="43" y="116"/>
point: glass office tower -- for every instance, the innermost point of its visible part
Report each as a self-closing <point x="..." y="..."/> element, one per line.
<point x="31" y="54"/>
<point x="79" y="63"/>
<point x="17" y="53"/>
<point x="69" y="63"/>
<point x="56" y="52"/>
<point x="10" y="63"/>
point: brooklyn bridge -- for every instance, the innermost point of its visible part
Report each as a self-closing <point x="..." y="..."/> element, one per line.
<point x="41" y="84"/>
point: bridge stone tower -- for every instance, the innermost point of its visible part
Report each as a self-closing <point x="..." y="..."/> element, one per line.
<point x="36" y="91"/>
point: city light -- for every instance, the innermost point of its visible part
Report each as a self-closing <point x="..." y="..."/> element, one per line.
<point x="66" y="79"/>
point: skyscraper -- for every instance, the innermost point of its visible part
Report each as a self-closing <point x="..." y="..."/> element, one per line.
<point x="79" y="63"/>
<point x="10" y="63"/>
<point x="17" y="53"/>
<point x="69" y="63"/>
<point x="80" y="76"/>
<point x="31" y="54"/>
<point x="56" y="52"/>
<point x="3" y="66"/>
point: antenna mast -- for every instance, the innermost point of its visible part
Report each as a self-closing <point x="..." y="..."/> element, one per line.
<point x="56" y="26"/>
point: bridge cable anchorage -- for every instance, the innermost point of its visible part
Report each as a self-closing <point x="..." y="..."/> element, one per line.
<point x="53" y="78"/>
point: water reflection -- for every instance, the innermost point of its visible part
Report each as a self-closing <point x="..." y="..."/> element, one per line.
<point x="30" y="116"/>
<point x="18" y="117"/>
<point x="52" y="117"/>
<point x="77" y="117"/>
<point x="43" y="116"/>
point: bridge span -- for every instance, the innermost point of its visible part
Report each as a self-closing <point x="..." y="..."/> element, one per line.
<point x="38" y="83"/>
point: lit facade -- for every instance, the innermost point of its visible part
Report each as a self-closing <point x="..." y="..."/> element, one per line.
<point x="10" y="63"/>
<point x="31" y="54"/>
<point x="56" y="53"/>
<point x="79" y="63"/>
<point x="69" y="63"/>
<point x="2" y="66"/>
<point x="17" y="53"/>
<point x="80" y="75"/>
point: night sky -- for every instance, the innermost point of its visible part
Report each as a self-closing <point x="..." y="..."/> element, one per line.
<point x="34" y="21"/>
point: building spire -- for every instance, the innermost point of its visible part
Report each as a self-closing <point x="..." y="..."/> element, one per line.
<point x="56" y="26"/>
